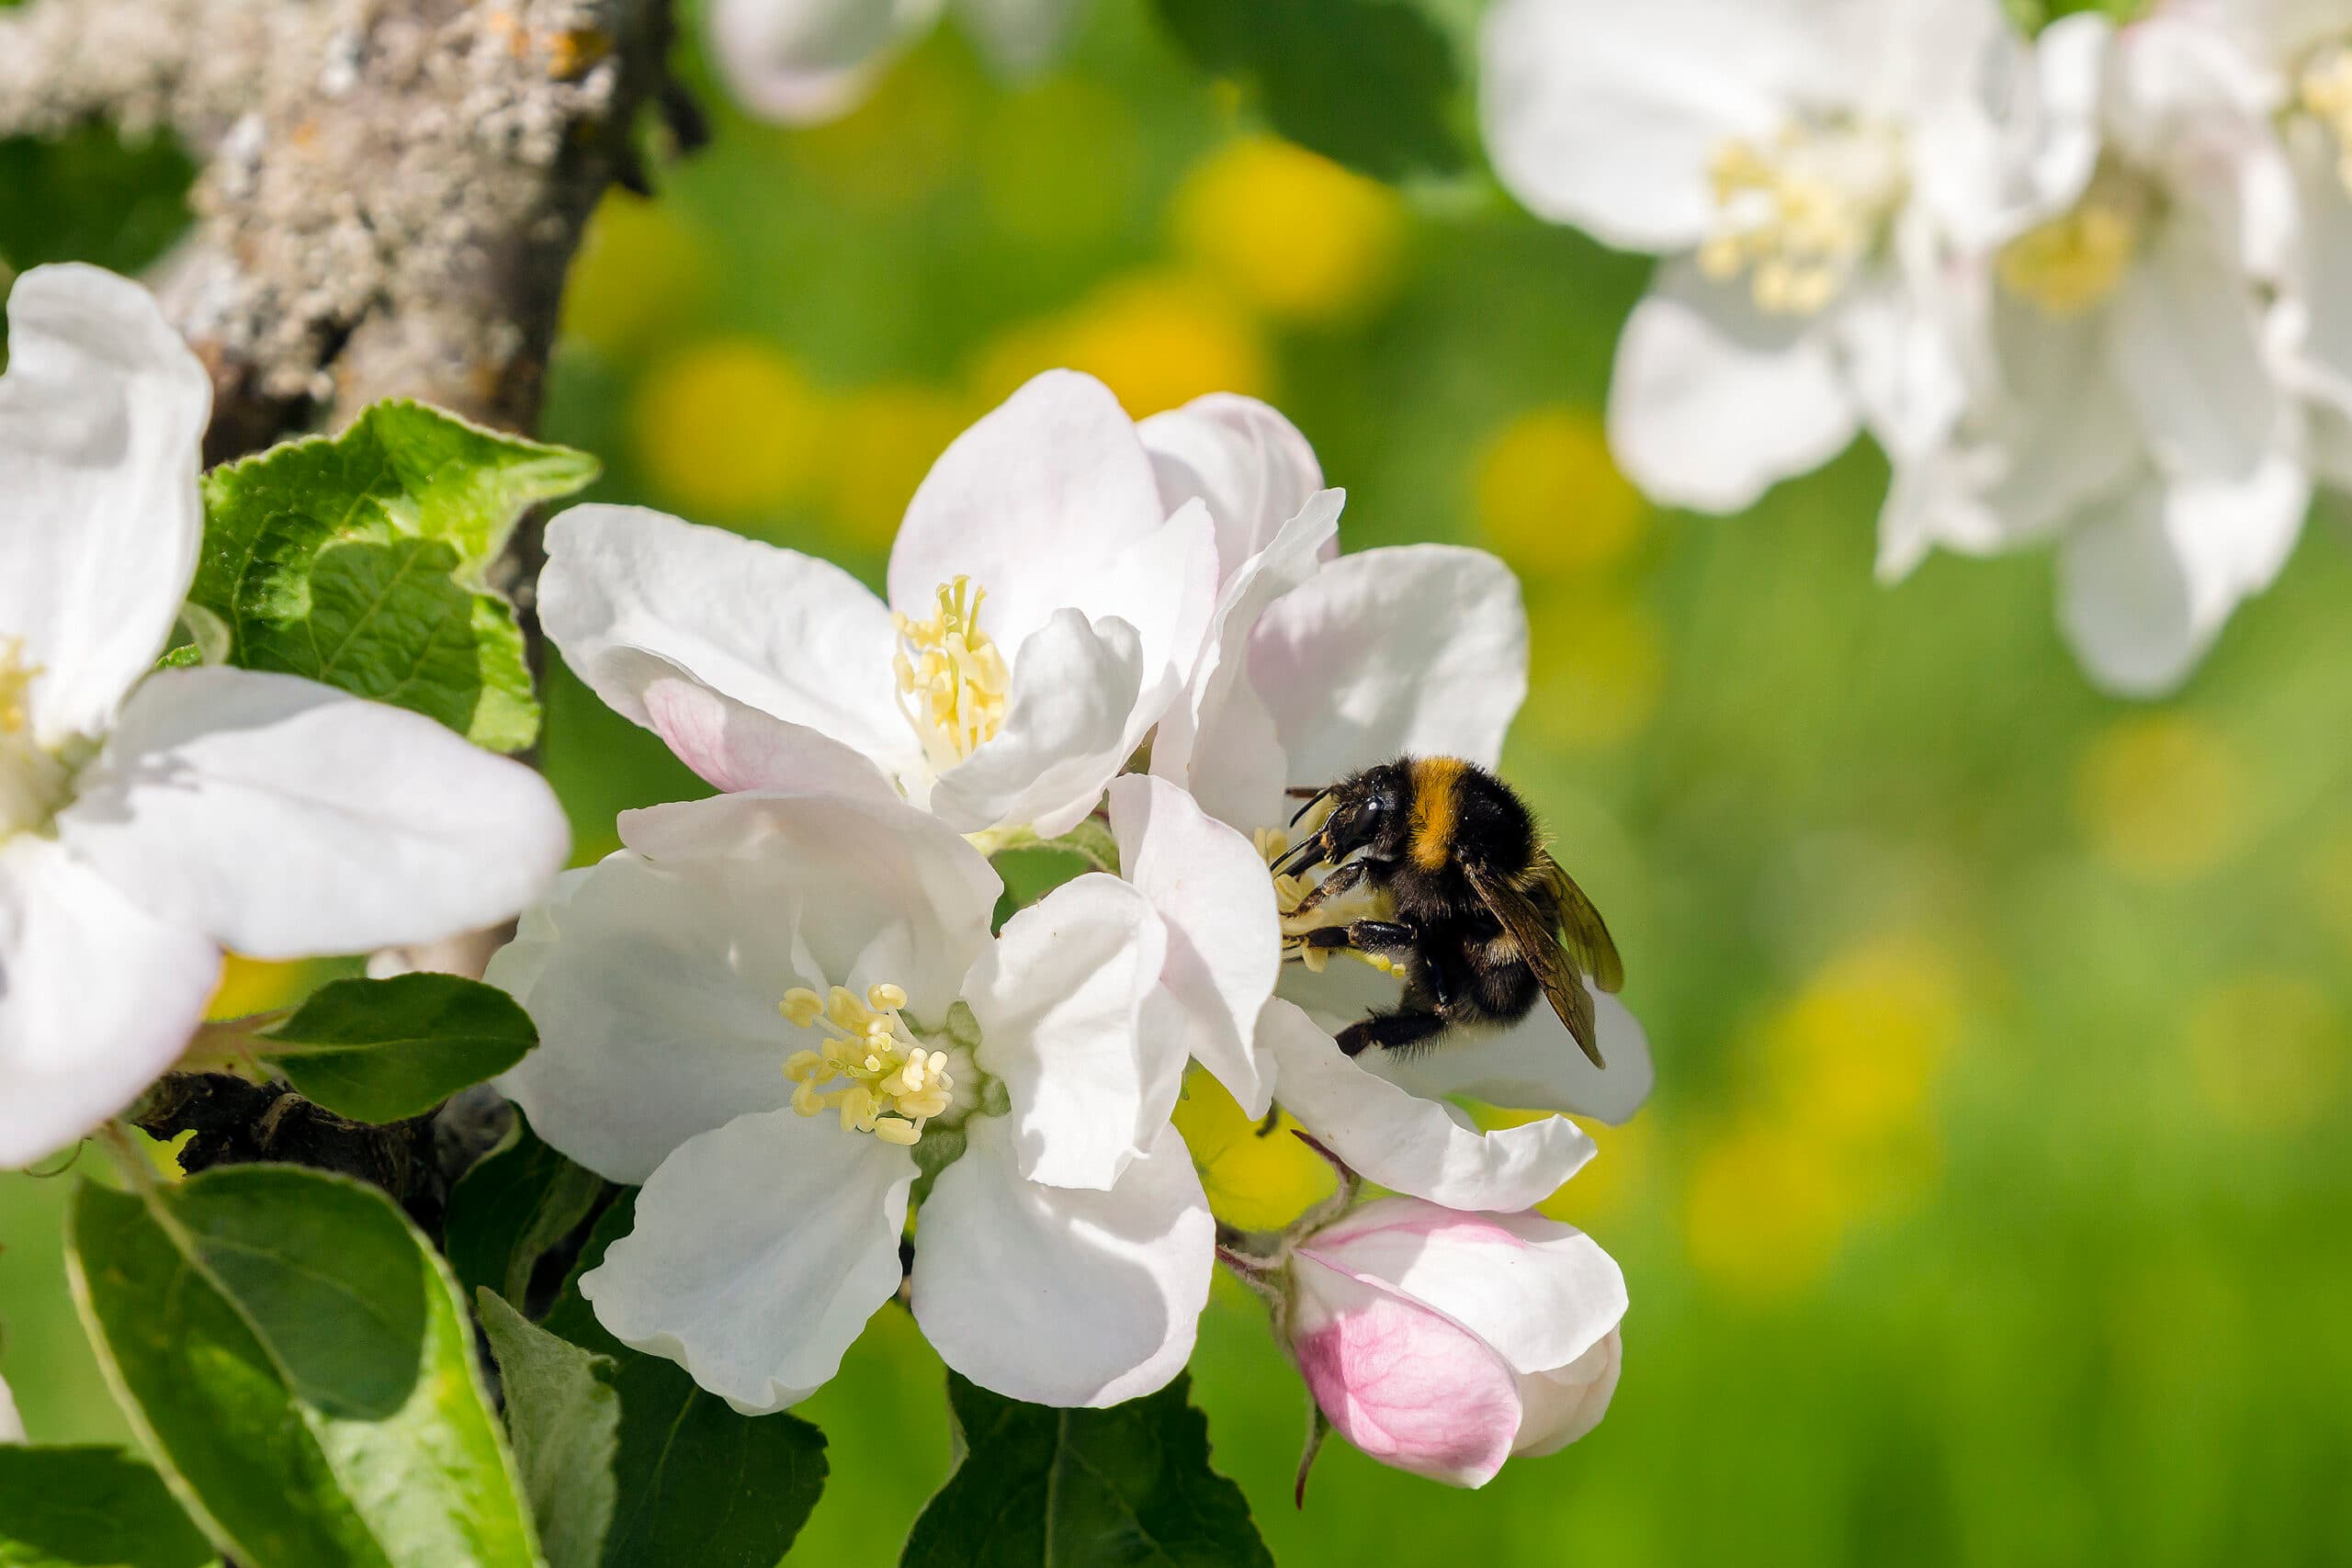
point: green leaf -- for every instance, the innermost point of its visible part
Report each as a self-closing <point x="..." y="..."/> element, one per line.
<point x="91" y="194"/>
<point x="1372" y="84"/>
<point x="387" y="1050"/>
<point x="564" y="1417"/>
<point x="90" y="1508"/>
<point x="700" y="1486"/>
<point x="518" y="1202"/>
<point x="361" y="561"/>
<point x="1040" y="1488"/>
<point x="299" y="1366"/>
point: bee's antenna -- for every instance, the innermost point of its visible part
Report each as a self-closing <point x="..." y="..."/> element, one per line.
<point x="1313" y="800"/>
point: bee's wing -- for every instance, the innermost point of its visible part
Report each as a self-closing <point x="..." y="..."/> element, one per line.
<point x="1582" y="932"/>
<point x="1539" y="945"/>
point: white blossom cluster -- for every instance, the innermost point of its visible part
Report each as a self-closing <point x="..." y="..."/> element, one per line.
<point x="2081" y="288"/>
<point x="783" y="1010"/>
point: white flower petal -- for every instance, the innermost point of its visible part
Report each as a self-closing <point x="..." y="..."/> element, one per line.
<point x="12" y="1426"/>
<point x="1712" y="402"/>
<point x="1406" y="1143"/>
<point x="1542" y="1293"/>
<point x="1218" y="739"/>
<point x="1036" y="496"/>
<point x="283" y="817"/>
<point x="2187" y="349"/>
<point x="1075" y="688"/>
<point x="1224" y="937"/>
<point x="761" y="1248"/>
<point x="1561" y="1405"/>
<point x="97" y="997"/>
<point x="791" y="635"/>
<point x="1414" y="650"/>
<point x="1609" y="115"/>
<point x="1058" y="1296"/>
<point x="102" y="412"/>
<point x="1164" y="585"/>
<point x="804" y="60"/>
<point x="1249" y="465"/>
<point x="1019" y="36"/>
<point x="1535" y="1065"/>
<point x="656" y="1022"/>
<point x="734" y="746"/>
<point x="1060" y="1003"/>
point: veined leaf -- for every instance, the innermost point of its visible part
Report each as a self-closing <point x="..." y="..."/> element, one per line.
<point x="297" y="1364"/>
<point x="564" y="1418"/>
<point x="360" y="561"/>
<point x="387" y="1050"/>
<point x="517" y="1202"/>
<point x="90" y="1507"/>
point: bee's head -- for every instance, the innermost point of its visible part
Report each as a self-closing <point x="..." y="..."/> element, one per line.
<point x="1369" y="811"/>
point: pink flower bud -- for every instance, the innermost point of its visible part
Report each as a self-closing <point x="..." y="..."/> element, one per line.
<point x="1444" y="1343"/>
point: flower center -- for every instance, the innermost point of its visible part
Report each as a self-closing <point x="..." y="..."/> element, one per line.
<point x="2323" y="91"/>
<point x="952" y="676"/>
<point x="32" y="781"/>
<point x="1800" y="211"/>
<point x="1290" y="890"/>
<point x="2073" y="262"/>
<point x="871" y="1070"/>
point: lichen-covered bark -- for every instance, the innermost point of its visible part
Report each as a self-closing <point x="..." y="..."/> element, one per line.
<point x="391" y="189"/>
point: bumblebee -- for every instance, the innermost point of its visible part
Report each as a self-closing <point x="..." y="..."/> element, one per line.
<point x="1480" y="917"/>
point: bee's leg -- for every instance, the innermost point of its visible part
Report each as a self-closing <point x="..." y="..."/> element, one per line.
<point x="1364" y="936"/>
<point x="1393" y="1030"/>
<point x="1339" y="882"/>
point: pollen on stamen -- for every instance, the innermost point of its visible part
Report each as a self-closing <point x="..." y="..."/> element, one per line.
<point x="16" y="679"/>
<point x="870" y="1071"/>
<point x="953" y="679"/>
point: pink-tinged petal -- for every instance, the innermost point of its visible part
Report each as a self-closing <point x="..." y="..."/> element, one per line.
<point x="735" y="747"/>
<point x="1076" y="687"/>
<point x="1713" y="401"/>
<point x="1224" y="937"/>
<point x="1038" y="494"/>
<point x="1414" y="650"/>
<point x="97" y="997"/>
<point x="1404" y="1142"/>
<point x="631" y="596"/>
<point x="1563" y="1404"/>
<point x="805" y="61"/>
<point x="1539" y="1293"/>
<point x="759" y="1250"/>
<point x="1405" y="1385"/>
<point x="1249" y="465"/>
<point x="101" y="413"/>
<point x="1217" y="740"/>
<point x="1060" y="1296"/>
<point x="1060" y="1000"/>
<point x="283" y="817"/>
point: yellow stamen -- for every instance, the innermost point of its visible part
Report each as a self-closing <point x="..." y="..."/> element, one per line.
<point x="2324" y="91"/>
<point x="2072" y="263"/>
<point x="16" y="679"/>
<point x="1272" y="843"/>
<point x="1799" y="212"/>
<point x="870" y="1070"/>
<point x="953" y="680"/>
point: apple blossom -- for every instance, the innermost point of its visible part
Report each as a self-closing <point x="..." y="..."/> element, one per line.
<point x="12" y="1426"/>
<point x="780" y="1011"/>
<point x="150" y="818"/>
<point x="2128" y="396"/>
<point x="1044" y="611"/>
<point x="805" y="61"/>
<point x="1445" y="1343"/>
<point x="1805" y="167"/>
<point x="1410" y="650"/>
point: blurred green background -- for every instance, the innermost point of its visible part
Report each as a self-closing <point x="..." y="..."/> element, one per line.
<point x="1993" y="1207"/>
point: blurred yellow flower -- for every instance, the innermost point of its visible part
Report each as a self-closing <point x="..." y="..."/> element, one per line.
<point x="1598" y="671"/>
<point x="1603" y="1189"/>
<point x="1157" y="340"/>
<point x="2162" y="797"/>
<point x="727" y="426"/>
<point x="1764" y="1210"/>
<point x="2327" y="882"/>
<point x="253" y="985"/>
<point x="910" y="138"/>
<point x="2265" y="1051"/>
<point x="1257" y="1183"/>
<point x="880" y="443"/>
<point x="1853" y="1054"/>
<point x="640" y="269"/>
<point x="1549" y="497"/>
<point x="1293" y="235"/>
<point x="1060" y="163"/>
